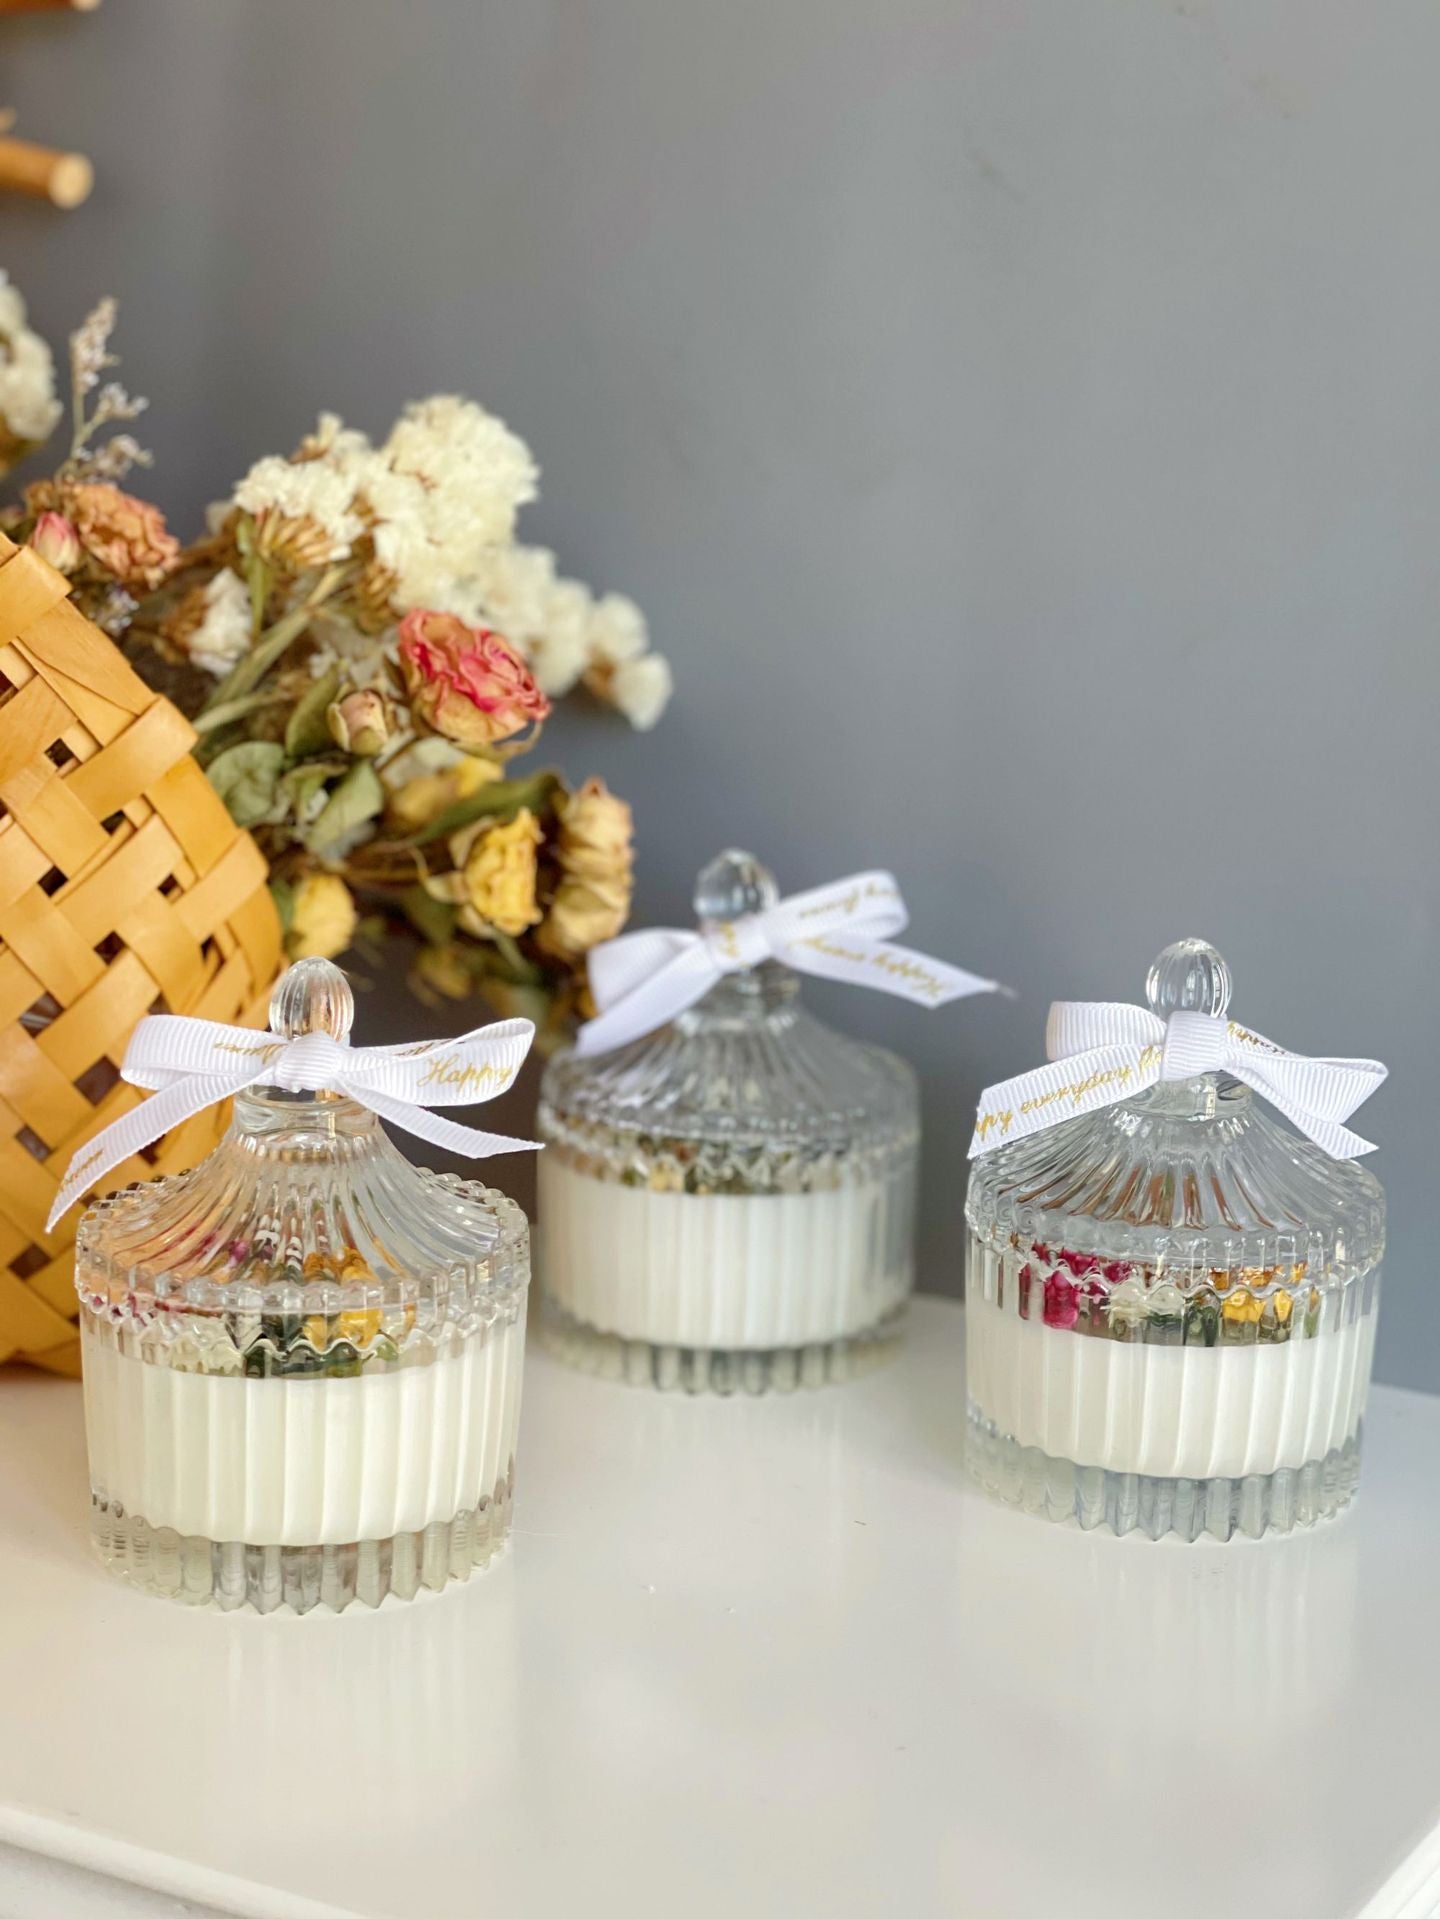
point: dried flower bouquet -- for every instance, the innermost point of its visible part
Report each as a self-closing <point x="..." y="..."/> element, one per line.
<point x="364" y="650"/>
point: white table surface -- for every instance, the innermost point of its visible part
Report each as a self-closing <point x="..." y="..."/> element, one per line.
<point x="767" y="1657"/>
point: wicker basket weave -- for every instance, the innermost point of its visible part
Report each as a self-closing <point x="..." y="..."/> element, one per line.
<point x="125" y="888"/>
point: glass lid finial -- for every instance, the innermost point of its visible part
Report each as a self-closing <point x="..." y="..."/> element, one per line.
<point x="1188" y="977"/>
<point x="733" y="885"/>
<point x="312" y="996"/>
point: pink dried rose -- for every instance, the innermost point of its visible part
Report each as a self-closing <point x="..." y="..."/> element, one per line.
<point x="465" y="681"/>
<point x="1080" y="1263"/>
<point x="1026" y="1277"/>
<point x="57" y="542"/>
<point x="1062" y="1302"/>
<point x="127" y="536"/>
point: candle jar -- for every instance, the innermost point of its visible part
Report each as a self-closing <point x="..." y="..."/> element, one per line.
<point x="728" y="1203"/>
<point x="1171" y="1306"/>
<point x="301" y="1359"/>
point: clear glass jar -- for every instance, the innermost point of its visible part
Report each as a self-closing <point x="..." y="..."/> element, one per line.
<point x="728" y="1203"/>
<point x="302" y="1359"/>
<point x="1170" y="1307"/>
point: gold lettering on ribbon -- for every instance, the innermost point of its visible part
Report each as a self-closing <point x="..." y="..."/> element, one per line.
<point x="899" y="966"/>
<point x="267" y="1051"/>
<point x="450" y="1071"/>
<point x="849" y="903"/>
<point x="728" y="938"/>
<point x="1075" y="1091"/>
<point x="1247" y="1038"/>
<point x="82" y="1166"/>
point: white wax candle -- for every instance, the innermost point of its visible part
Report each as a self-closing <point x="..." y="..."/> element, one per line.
<point x="309" y="1460"/>
<point x="740" y="1272"/>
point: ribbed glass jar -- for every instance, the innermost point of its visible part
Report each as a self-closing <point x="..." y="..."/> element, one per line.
<point x="302" y="1359"/>
<point x="727" y="1204"/>
<point x="1171" y="1307"/>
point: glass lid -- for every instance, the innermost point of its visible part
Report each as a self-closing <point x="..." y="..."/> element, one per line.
<point x="305" y="1207"/>
<point x="1193" y="1174"/>
<point x="748" y="1063"/>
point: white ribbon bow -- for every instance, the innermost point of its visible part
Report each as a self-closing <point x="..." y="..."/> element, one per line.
<point x="642" y="980"/>
<point x="1104" y="1052"/>
<point x="190" y="1064"/>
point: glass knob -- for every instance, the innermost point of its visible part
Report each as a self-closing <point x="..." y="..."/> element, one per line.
<point x="733" y="885"/>
<point x="1188" y="977"/>
<point x="312" y="996"/>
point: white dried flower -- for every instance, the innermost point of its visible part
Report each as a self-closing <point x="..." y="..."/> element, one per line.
<point x="513" y="585"/>
<point x="557" y="664"/>
<point x="223" y="634"/>
<point x="422" y="577"/>
<point x="310" y="494"/>
<point x="641" y="689"/>
<point x="1129" y="1305"/>
<point x="559" y="651"/>
<point x="28" y="406"/>
<point x="617" y="630"/>
<point x="114" y="403"/>
<point x="88" y="343"/>
<point x="388" y="497"/>
<point x="479" y="474"/>
<point x="333" y="440"/>
<point x="113" y="458"/>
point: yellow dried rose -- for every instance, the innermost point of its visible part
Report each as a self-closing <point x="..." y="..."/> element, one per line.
<point x="498" y="877"/>
<point x="423" y="798"/>
<point x="322" y="918"/>
<point x="1242" y="1308"/>
<point x="592" y="900"/>
<point x="441" y="971"/>
<point x="359" y="1327"/>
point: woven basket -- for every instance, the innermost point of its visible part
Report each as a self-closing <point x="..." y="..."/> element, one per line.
<point x="125" y="888"/>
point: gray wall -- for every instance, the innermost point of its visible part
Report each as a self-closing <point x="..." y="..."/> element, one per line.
<point x="1019" y="418"/>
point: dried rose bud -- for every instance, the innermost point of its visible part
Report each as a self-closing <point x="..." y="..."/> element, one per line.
<point x="361" y="722"/>
<point x="57" y="542"/>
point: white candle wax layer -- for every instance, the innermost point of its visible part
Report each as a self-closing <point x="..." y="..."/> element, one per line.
<point x="1185" y="1412"/>
<point x="308" y="1461"/>
<point x="742" y="1272"/>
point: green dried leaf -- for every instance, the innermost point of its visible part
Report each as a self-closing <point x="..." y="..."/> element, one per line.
<point x="357" y="798"/>
<point x="300" y="779"/>
<point x="306" y="787"/>
<point x="308" y="731"/>
<point x="521" y="971"/>
<point x="432" y="919"/>
<point x="283" y="894"/>
<point x="500" y="800"/>
<point x="245" y="777"/>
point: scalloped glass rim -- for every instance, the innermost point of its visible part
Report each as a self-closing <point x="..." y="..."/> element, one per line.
<point x="144" y="1287"/>
<point x="793" y="1081"/>
<point x="1250" y="1193"/>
